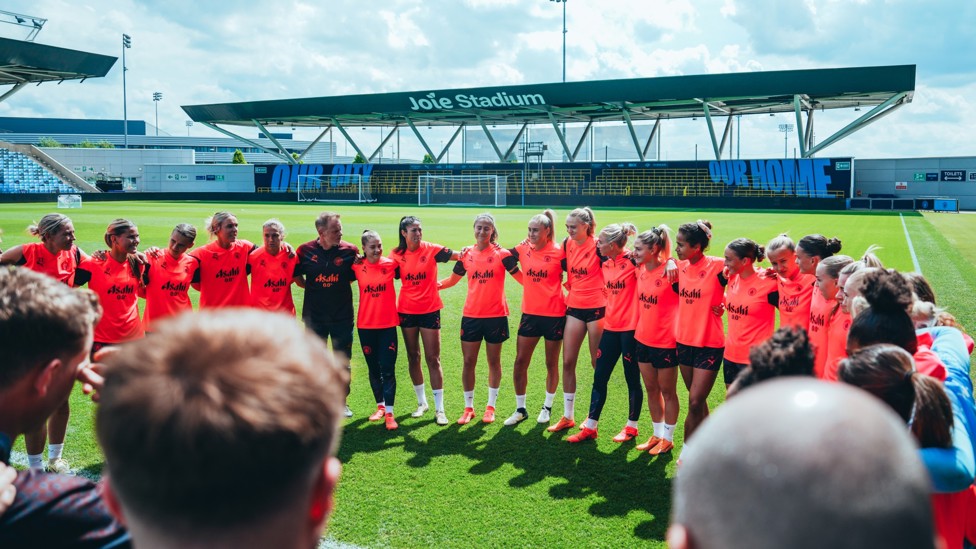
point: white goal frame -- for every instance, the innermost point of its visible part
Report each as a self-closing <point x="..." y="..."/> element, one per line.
<point x="334" y="188"/>
<point x="429" y="193"/>
<point x="69" y="201"/>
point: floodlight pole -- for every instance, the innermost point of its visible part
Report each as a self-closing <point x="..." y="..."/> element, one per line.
<point x="785" y="129"/>
<point x="157" y="97"/>
<point x="189" y="124"/>
<point x="126" y="44"/>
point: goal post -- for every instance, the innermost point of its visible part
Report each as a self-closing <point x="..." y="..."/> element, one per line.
<point x="69" y="201"/>
<point x="462" y="190"/>
<point x="334" y="188"/>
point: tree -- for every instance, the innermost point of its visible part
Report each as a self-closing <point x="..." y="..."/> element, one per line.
<point x="238" y="157"/>
<point x="48" y="142"/>
<point x="86" y="144"/>
<point x="359" y="159"/>
<point x="296" y="157"/>
<point x="428" y="159"/>
<point x="104" y="144"/>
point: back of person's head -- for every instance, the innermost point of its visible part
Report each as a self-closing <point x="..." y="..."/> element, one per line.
<point x="920" y="286"/>
<point x="886" y="319"/>
<point x="888" y="372"/>
<point x="41" y="320"/>
<point x="821" y="465"/>
<point x="222" y="427"/>
<point x="787" y="353"/>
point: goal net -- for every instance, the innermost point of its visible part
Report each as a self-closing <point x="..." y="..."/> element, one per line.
<point x="462" y="190"/>
<point x="334" y="188"/>
<point x="69" y="201"/>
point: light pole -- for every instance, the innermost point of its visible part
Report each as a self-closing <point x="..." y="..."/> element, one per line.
<point x="126" y="44"/>
<point x="189" y="124"/>
<point x="157" y="97"/>
<point x="563" y="2"/>
<point x="786" y="129"/>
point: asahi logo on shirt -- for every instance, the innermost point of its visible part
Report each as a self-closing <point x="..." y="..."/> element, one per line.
<point x="228" y="274"/>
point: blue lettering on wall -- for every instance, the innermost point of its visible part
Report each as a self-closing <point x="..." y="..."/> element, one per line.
<point x="286" y="176"/>
<point x="794" y="177"/>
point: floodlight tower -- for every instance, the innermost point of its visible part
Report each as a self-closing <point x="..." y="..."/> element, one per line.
<point x="786" y="129"/>
<point x="563" y="2"/>
<point x="157" y="97"/>
<point x="126" y="44"/>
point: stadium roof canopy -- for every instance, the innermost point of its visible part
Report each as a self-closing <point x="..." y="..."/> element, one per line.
<point x="23" y="63"/>
<point x="877" y="91"/>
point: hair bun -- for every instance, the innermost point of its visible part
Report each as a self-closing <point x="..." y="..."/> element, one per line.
<point x="887" y="291"/>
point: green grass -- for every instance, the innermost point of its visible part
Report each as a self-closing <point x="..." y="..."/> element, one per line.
<point x="490" y="485"/>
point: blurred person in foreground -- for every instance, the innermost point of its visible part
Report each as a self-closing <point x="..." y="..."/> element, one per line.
<point x="221" y="431"/>
<point x="778" y="484"/>
<point x="46" y="331"/>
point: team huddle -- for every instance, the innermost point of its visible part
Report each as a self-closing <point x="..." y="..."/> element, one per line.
<point x="653" y="300"/>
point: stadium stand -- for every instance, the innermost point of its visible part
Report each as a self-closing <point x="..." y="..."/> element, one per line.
<point x="21" y="174"/>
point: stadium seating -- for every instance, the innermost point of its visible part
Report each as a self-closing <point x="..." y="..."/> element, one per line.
<point x="20" y="174"/>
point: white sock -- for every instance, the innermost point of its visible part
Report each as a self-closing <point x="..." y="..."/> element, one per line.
<point x="54" y="451"/>
<point x="667" y="433"/>
<point x="421" y="396"/>
<point x="519" y="402"/>
<point x="389" y="410"/>
<point x="381" y="404"/>
<point x="550" y="397"/>
<point x="492" y="396"/>
<point x="569" y="399"/>
<point x="36" y="463"/>
<point x="469" y="399"/>
<point x="590" y="423"/>
<point x="632" y="424"/>
<point x="438" y="399"/>
<point x="658" y="430"/>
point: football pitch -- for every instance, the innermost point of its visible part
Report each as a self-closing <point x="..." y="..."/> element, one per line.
<point x="483" y="485"/>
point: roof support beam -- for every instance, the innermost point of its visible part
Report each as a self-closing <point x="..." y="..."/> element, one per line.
<point x="316" y="142"/>
<point x="286" y="158"/>
<point x="490" y="138"/>
<point x="579" y="144"/>
<point x="560" y="135"/>
<point x="725" y="135"/>
<point x="711" y="130"/>
<point x="284" y="151"/>
<point x="633" y="134"/>
<point x="801" y="132"/>
<point x="650" y="138"/>
<point x="884" y="109"/>
<point x="515" y="141"/>
<point x="416" y="132"/>
<point x="349" y="138"/>
<point x="450" y="141"/>
<point x="17" y="87"/>
<point x="808" y="135"/>
<point x="384" y="140"/>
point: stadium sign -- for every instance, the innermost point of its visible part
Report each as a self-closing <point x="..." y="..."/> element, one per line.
<point x="285" y="176"/>
<point x="953" y="175"/>
<point x="807" y="177"/>
<point x="431" y="103"/>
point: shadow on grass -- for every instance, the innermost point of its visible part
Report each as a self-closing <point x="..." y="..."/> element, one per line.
<point x="623" y="479"/>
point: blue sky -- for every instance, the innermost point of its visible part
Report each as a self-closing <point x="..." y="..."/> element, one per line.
<point x="214" y="52"/>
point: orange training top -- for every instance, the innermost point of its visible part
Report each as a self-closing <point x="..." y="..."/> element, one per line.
<point x="584" y="275"/>
<point x="116" y="287"/>
<point x="167" y="282"/>
<point x="620" y="278"/>
<point x="418" y="278"/>
<point x="657" y="307"/>
<point x="486" y="280"/>
<point x="271" y="278"/>
<point x="817" y="330"/>
<point x="751" y="317"/>
<point x="377" y="296"/>
<point x="699" y="289"/>
<point x="542" y="279"/>
<point x="223" y="274"/>
<point x="60" y="266"/>
<point x="795" y="296"/>
<point x="837" y="330"/>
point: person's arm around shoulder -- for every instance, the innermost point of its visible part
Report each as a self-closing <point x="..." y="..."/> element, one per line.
<point x="13" y="256"/>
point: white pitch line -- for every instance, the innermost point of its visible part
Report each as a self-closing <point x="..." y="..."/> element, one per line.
<point x="911" y="249"/>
